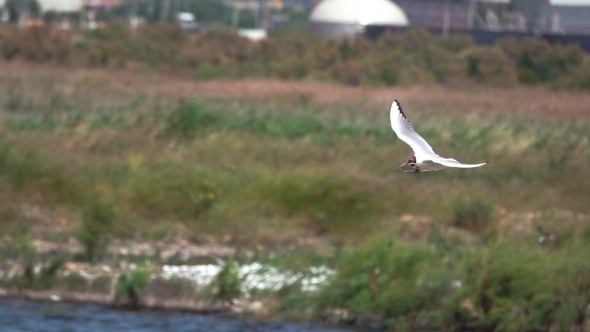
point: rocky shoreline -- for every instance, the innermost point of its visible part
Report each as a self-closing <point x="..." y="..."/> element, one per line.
<point x="179" y="276"/>
<point x="197" y="306"/>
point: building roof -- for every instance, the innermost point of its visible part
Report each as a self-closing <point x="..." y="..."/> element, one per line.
<point x="362" y="12"/>
<point x="60" y="5"/>
<point x="570" y="2"/>
<point x="75" y="5"/>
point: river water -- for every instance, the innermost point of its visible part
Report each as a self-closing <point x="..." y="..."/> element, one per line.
<point x="21" y="315"/>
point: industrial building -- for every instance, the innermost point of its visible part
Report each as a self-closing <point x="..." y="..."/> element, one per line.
<point x="486" y="21"/>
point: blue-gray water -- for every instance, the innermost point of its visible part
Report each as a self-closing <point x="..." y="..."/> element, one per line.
<point x="20" y="315"/>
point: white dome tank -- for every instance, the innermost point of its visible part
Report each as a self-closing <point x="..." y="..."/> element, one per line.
<point x="345" y="18"/>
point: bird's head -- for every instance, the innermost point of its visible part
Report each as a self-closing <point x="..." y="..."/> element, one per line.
<point x="411" y="160"/>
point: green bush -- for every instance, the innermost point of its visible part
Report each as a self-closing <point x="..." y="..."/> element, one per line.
<point x="170" y="191"/>
<point x="474" y="215"/>
<point x="189" y="119"/>
<point x="537" y="59"/>
<point x="109" y="46"/>
<point x="412" y="57"/>
<point x="491" y="65"/>
<point x="291" y="67"/>
<point x="37" y="44"/>
<point x="394" y="282"/>
<point x="208" y="71"/>
<point x="159" y="44"/>
<point x="387" y="68"/>
<point x="228" y="281"/>
<point x="350" y="72"/>
<point x="329" y="203"/>
<point x="513" y="292"/>
<point x="129" y="286"/>
<point x="26" y="170"/>
<point x="19" y="247"/>
<point x="502" y="287"/>
<point x="98" y="221"/>
<point x="456" y="43"/>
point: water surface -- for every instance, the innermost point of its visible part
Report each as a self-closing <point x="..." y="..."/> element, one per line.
<point x="20" y="315"/>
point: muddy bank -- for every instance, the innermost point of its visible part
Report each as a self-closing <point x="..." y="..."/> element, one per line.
<point x="200" y="306"/>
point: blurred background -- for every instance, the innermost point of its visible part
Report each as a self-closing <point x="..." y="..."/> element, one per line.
<point x="236" y="157"/>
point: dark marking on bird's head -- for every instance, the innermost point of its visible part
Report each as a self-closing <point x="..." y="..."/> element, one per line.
<point x="400" y="108"/>
<point x="411" y="160"/>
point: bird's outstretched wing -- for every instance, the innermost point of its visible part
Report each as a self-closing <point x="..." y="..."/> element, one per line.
<point x="449" y="162"/>
<point x="404" y="130"/>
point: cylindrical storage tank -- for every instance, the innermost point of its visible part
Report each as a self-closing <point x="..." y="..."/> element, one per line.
<point x="339" y="18"/>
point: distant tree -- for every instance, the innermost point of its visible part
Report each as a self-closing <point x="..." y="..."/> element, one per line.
<point x="50" y="16"/>
<point x="205" y="11"/>
<point x="208" y="10"/>
<point x="16" y="7"/>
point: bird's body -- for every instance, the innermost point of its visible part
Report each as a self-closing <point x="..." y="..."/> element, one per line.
<point x="424" y="158"/>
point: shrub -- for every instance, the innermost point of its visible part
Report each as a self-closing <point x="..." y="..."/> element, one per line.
<point x="571" y="286"/>
<point x="491" y="65"/>
<point x="221" y="48"/>
<point x="444" y="66"/>
<point x="207" y="71"/>
<point x="25" y="168"/>
<point x="387" y="68"/>
<point x="189" y="119"/>
<point x="537" y="55"/>
<point x="474" y="215"/>
<point x="109" y="46"/>
<point x="513" y="292"/>
<point x="19" y="247"/>
<point x="98" y="220"/>
<point x="169" y="191"/>
<point x="129" y="286"/>
<point x="159" y="44"/>
<point x="578" y="79"/>
<point x="456" y="43"/>
<point x="502" y="287"/>
<point x="390" y="281"/>
<point x="228" y="281"/>
<point x="300" y="126"/>
<point x="291" y="67"/>
<point x="327" y="203"/>
<point x="528" y="76"/>
<point x="349" y="73"/>
<point x="37" y="44"/>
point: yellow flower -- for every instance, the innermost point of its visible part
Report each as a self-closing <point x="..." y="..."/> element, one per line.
<point x="211" y="195"/>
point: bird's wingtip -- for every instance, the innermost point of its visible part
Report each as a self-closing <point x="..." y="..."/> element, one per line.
<point x="399" y="107"/>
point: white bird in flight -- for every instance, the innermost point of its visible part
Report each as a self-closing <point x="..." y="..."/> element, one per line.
<point x="424" y="159"/>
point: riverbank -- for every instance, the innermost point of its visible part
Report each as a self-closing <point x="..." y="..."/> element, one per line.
<point x="158" y="276"/>
<point x="252" y="291"/>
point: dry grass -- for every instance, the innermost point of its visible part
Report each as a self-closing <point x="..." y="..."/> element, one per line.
<point x="159" y="90"/>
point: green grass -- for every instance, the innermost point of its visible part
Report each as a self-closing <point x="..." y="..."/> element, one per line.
<point x="330" y="169"/>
